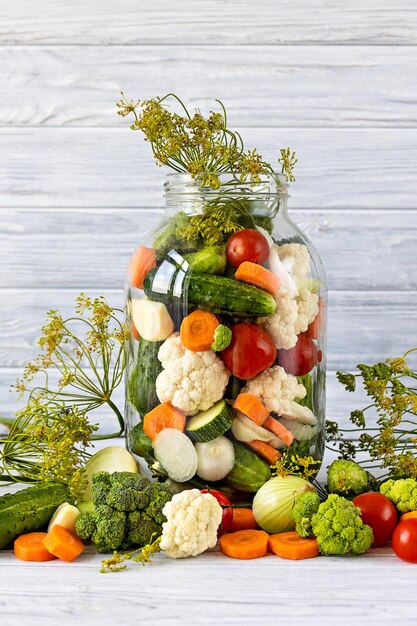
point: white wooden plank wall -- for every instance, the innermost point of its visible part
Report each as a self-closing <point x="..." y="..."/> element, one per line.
<point x="336" y="81"/>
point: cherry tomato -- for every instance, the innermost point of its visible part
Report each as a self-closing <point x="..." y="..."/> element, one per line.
<point x="247" y="245"/>
<point x="250" y="352"/>
<point x="301" y="359"/>
<point x="404" y="540"/>
<point x="379" y="513"/>
<point x="226" y="505"/>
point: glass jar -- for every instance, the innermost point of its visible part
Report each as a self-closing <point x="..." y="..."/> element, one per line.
<point x="226" y="303"/>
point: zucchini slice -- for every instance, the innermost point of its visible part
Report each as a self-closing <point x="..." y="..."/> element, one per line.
<point x="210" y="424"/>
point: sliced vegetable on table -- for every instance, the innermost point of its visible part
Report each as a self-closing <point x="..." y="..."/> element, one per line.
<point x="30" y="547"/>
<point x="290" y="545"/>
<point x="245" y="544"/>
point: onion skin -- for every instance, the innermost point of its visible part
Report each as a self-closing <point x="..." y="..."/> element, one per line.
<point x="273" y="503"/>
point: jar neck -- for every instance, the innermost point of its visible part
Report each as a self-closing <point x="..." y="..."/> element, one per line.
<point x="265" y="198"/>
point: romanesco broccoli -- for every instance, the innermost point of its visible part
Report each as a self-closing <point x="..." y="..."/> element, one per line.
<point x="303" y="510"/>
<point x="402" y="492"/>
<point x="222" y="338"/>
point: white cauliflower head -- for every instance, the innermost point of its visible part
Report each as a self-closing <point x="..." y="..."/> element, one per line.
<point x="275" y="388"/>
<point x="308" y="308"/>
<point x="296" y="258"/>
<point x="191" y="381"/>
<point x="281" y="325"/>
<point x="193" y="519"/>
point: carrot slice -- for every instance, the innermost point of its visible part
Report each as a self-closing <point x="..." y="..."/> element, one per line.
<point x="142" y="261"/>
<point x="63" y="544"/>
<point x="243" y="519"/>
<point x="30" y="548"/>
<point x="164" y="415"/>
<point x="409" y="515"/>
<point x="278" y="429"/>
<point x="266" y="451"/>
<point x="290" y="545"/>
<point x="259" y="276"/>
<point x="197" y="330"/>
<point x="245" y="544"/>
<point x="252" y="407"/>
<point x="135" y="331"/>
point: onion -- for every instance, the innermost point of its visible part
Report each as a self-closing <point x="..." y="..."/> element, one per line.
<point x="215" y="458"/>
<point x="273" y="503"/>
<point x="245" y="430"/>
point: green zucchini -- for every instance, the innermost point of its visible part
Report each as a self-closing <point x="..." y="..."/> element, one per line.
<point x="249" y="472"/>
<point x="140" y="444"/>
<point x="211" y="260"/>
<point x="141" y="384"/>
<point x="208" y="292"/>
<point x="210" y="424"/>
<point x="29" y="510"/>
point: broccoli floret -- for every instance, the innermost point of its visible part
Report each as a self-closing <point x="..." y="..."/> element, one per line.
<point x="156" y="505"/>
<point x="346" y="478"/>
<point x="126" y="499"/>
<point x="303" y="510"/>
<point x="85" y="526"/>
<point x="131" y="480"/>
<point x="339" y="529"/>
<point x="168" y="238"/>
<point x="110" y="527"/>
<point x="100" y="488"/>
<point x="402" y="492"/>
<point x="222" y="338"/>
<point x="141" y="527"/>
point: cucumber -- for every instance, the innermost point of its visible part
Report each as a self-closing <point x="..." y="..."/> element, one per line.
<point x="141" y="391"/>
<point x="307" y="381"/>
<point x="211" y="260"/>
<point x="210" y="424"/>
<point x="207" y="291"/>
<point x="140" y="444"/>
<point x="29" y="510"/>
<point x="249" y="472"/>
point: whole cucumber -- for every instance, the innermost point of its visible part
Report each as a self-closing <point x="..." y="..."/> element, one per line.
<point x="211" y="260"/>
<point x="29" y="510"/>
<point x="141" y="384"/>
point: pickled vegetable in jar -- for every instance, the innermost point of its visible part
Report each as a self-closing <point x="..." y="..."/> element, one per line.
<point x="226" y="304"/>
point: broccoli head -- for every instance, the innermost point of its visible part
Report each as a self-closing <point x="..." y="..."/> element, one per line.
<point x="85" y="526"/>
<point x="402" y="492"/>
<point x="100" y="488"/>
<point x="141" y="527"/>
<point x="346" y="478"/>
<point x="303" y="510"/>
<point x="110" y="529"/>
<point x="339" y="529"/>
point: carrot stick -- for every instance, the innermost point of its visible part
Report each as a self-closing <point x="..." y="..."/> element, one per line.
<point x="290" y="545"/>
<point x="30" y="548"/>
<point x="259" y="276"/>
<point x="243" y="519"/>
<point x="142" y="261"/>
<point x="245" y="544"/>
<point x="266" y="451"/>
<point x="252" y="407"/>
<point x="197" y="330"/>
<point x="164" y="415"/>
<point x="409" y="515"/>
<point x="63" y="544"/>
<point x="278" y="429"/>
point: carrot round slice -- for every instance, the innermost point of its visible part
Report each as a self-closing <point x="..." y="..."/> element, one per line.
<point x="243" y="519"/>
<point x="142" y="261"/>
<point x="251" y="406"/>
<point x="245" y="544"/>
<point x="266" y="451"/>
<point x="259" y="276"/>
<point x="197" y="330"/>
<point x="63" y="544"/>
<point x="290" y="545"/>
<point x="30" y="548"/>
<point x="164" y="415"/>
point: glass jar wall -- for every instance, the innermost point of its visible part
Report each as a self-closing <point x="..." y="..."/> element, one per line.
<point x="226" y="303"/>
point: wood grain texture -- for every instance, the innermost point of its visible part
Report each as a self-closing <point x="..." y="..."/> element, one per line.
<point x="299" y="86"/>
<point x="90" y="248"/>
<point x="373" y="22"/>
<point x="112" y="167"/>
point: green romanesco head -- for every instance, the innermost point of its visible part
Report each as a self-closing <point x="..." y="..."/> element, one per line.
<point x="303" y="510"/>
<point x="339" y="529"/>
<point x="402" y="492"/>
<point x="222" y="338"/>
<point x="85" y="526"/>
<point x="346" y="478"/>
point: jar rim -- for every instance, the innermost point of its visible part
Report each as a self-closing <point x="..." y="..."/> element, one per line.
<point x="183" y="183"/>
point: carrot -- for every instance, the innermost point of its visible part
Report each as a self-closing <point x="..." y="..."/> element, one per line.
<point x="164" y="415"/>
<point x="142" y="261"/>
<point x="259" y="276"/>
<point x="30" y="548"/>
<point x="290" y="545"/>
<point x="252" y="407"/>
<point x="278" y="429"/>
<point x="135" y="331"/>
<point x="245" y="544"/>
<point x="63" y="544"/>
<point x="266" y="451"/>
<point x="409" y="515"/>
<point x="197" y="330"/>
<point x="243" y="519"/>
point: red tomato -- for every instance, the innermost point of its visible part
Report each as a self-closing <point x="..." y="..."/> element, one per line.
<point x="250" y="352"/>
<point x="379" y="513"/>
<point x="404" y="540"/>
<point x="247" y="245"/>
<point x="301" y="359"/>
<point x="313" y="328"/>
<point x="226" y="505"/>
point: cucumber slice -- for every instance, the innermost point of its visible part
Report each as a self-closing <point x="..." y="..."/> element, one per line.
<point x="215" y="459"/>
<point x="176" y="454"/>
<point x="210" y="424"/>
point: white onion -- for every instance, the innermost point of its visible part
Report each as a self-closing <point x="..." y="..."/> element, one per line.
<point x="273" y="503"/>
<point x="176" y="454"/>
<point x="215" y="458"/>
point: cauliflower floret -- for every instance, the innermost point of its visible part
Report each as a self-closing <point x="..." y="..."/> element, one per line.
<point x="191" y="381"/>
<point x="277" y="390"/>
<point x="308" y="308"/>
<point x="193" y="519"/>
<point x="296" y="258"/>
<point x="281" y="325"/>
